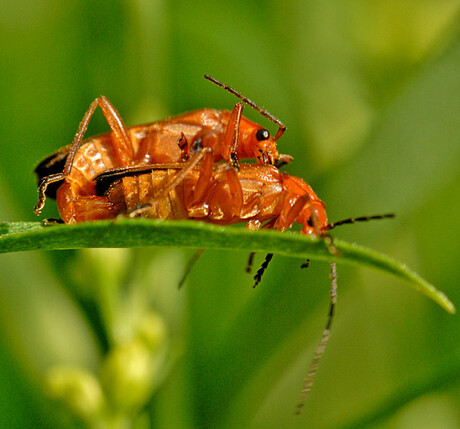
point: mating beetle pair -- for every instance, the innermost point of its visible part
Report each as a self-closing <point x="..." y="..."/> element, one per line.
<point x="171" y="170"/>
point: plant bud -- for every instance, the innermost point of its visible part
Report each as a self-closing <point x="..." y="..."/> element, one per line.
<point x="77" y="388"/>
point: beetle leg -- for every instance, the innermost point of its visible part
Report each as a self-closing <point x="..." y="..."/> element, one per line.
<point x="42" y="190"/>
<point x="261" y="270"/>
<point x="205" y="153"/>
<point x="268" y="258"/>
<point x="306" y="264"/>
<point x="235" y="190"/>
<point x="282" y="160"/>
<point x="190" y="265"/>
<point x="250" y="262"/>
<point x="204" y="178"/>
<point x="123" y="146"/>
<point x="290" y="212"/>
<point x="232" y="134"/>
<point x="286" y="218"/>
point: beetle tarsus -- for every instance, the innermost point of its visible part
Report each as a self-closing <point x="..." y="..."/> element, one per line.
<point x="250" y="262"/>
<point x="261" y="270"/>
<point x="306" y="264"/>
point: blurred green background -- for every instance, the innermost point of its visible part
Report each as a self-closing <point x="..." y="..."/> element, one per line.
<point x="370" y="93"/>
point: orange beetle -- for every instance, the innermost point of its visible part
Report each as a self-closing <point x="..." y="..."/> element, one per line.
<point x="230" y="135"/>
<point x="212" y="192"/>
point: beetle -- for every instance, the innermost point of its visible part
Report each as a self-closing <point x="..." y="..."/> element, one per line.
<point x="230" y="135"/>
<point x="212" y="192"/>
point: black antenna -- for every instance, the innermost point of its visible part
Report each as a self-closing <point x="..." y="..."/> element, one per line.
<point x="332" y="225"/>
<point x="262" y="111"/>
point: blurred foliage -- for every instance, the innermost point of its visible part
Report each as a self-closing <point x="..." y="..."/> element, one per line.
<point x="370" y="94"/>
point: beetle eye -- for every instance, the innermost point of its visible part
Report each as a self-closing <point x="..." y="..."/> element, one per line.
<point x="262" y="134"/>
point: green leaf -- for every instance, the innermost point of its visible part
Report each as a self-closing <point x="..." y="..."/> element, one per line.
<point x="22" y="236"/>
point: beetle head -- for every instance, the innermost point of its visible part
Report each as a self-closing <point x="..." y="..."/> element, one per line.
<point x="264" y="146"/>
